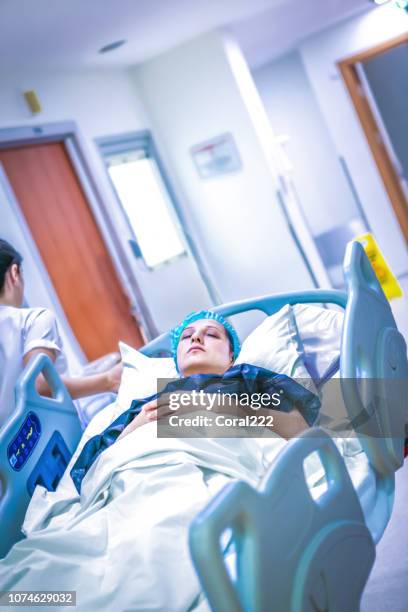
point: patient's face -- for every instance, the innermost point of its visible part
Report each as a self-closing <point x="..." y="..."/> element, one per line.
<point x="204" y="348"/>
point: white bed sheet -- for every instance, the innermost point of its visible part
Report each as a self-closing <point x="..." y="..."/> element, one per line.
<point x="123" y="541"/>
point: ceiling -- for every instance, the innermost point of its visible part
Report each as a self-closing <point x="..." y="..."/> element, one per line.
<point x="69" y="33"/>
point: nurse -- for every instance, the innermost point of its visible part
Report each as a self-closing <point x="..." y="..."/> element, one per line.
<point x="25" y="332"/>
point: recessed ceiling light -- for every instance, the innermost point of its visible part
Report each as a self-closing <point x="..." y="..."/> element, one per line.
<point x="112" y="46"/>
<point x="380" y="1"/>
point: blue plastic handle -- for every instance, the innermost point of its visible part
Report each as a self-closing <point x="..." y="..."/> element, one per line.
<point x="26" y="390"/>
<point x="248" y="513"/>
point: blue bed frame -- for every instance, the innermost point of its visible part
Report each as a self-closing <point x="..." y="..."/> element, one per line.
<point x="46" y="431"/>
<point x="289" y="547"/>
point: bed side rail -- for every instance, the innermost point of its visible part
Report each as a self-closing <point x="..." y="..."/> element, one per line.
<point x="269" y="304"/>
<point x="373" y="365"/>
<point x="35" y="445"/>
<point x="288" y="545"/>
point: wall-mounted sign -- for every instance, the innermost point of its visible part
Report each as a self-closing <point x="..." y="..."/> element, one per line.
<point x="216" y="156"/>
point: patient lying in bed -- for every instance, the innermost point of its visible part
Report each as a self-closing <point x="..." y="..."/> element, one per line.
<point x="116" y="531"/>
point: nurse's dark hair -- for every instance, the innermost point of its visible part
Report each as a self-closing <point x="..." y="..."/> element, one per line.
<point x="8" y="257"/>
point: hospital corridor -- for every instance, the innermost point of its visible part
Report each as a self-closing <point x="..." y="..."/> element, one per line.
<point x="204" y="305"/>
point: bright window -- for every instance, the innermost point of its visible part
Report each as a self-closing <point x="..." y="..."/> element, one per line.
<point x="145" y="199"/>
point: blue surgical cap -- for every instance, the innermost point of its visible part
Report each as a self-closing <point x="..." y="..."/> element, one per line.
<point x="204" y="314"/>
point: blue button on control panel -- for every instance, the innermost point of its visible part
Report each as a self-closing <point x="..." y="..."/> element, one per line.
<point x="23" y="444"/>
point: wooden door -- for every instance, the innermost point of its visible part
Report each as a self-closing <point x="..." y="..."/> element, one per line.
<point x="71" y="246"/>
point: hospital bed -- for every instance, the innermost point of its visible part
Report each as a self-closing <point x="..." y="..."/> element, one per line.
<point x="290" y="551"/>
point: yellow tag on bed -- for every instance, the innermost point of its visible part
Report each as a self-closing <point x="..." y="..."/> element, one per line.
<point x="386" y="278"/>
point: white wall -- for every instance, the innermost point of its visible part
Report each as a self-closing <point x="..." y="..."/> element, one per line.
<point x="101" y="102"/>
<point x="305" y="97"/>
<point x="192" y="95"/>
<point x="294" y="112"/>
<point x="320" y="54"/>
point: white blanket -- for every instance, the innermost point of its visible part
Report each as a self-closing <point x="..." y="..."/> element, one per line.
<point x="122" y="544"/>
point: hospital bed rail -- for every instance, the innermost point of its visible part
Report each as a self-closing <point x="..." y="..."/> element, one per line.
<point x="268" y="304"/>
<point x="295" y="553"/>
<point x="36" y="445"/>
<point x="292" y="553"/>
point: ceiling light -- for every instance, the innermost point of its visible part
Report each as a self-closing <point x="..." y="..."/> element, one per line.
<point x="112" y="46"/>
<point x="379" y="2"/>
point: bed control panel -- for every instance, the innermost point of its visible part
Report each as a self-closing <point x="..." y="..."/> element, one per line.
<point x="24" y="442"/>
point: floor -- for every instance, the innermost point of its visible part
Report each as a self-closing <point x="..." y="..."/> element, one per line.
<point x="387" y="588"/>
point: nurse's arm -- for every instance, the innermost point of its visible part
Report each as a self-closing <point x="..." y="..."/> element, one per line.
<point x="81" y="386"/>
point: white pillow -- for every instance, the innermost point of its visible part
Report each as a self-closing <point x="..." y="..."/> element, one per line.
<point x="319" y="336"/>
<point x="140" y="375"/>
<point x="275" y="345"/>
<point x="281" y="343"/>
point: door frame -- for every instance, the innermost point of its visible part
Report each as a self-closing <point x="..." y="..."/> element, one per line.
<point x="68" y="134"/>
<point x="349" y="71"/>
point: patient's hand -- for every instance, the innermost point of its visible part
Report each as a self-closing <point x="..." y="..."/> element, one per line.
<point x="152" y="411"/>
<point x="149" y="413"/>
